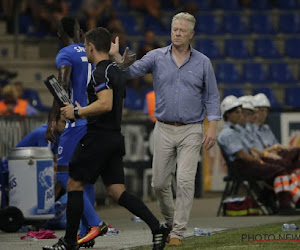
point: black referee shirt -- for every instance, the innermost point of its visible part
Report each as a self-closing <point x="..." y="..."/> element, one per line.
<point x="107" y="75"/>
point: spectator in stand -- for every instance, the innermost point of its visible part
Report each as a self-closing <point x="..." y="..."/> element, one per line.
<point x="149" y="106"/>
<point x="116" y="28"/>
<point x="97" y="13"/>
<point x="49" y="12"/>
<point x="6" y="76"/>
<point x="11" y="104"/>
<point x="9" y="7"/>
<point x="31" y="96"/>
<point x="153" y="17"/>
<point x="191" y="7"/>
<point x="149" y="43"/>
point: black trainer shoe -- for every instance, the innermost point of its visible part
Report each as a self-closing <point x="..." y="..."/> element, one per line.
<point x="62" y="245"/>
<point x="159" y="237"/>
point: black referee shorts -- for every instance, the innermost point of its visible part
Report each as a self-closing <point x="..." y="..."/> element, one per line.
<point x="99" y="153"/>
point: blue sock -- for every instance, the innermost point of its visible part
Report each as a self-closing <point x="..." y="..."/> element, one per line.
<point x="90" y="217"/>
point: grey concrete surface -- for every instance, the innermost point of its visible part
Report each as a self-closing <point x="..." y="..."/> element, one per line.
<point x="132" y="234"/>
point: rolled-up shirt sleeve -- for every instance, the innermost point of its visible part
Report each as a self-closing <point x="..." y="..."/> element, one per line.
<point x="143" y="66"/>
<point x="211" y="99"/>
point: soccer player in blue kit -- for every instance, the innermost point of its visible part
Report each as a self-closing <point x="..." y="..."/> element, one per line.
<point x="74" y="73"/>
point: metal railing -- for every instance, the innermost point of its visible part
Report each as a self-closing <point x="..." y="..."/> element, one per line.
<point x="14" y="128"/>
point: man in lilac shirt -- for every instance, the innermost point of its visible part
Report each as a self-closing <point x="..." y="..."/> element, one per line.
<point x="185" y="92"/>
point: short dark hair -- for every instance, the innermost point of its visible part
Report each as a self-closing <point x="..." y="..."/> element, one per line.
<point x="68" y="25"/>
<point x="100" y="37"/>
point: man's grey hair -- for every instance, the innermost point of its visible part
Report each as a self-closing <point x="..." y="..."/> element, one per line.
<point x="185" y="16"/>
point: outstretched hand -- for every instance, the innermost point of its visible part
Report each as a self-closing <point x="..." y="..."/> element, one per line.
<point x="128" y="58"/>
<point x="114" y="48"/>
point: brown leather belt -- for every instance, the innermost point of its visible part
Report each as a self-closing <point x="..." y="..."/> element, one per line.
<point x="174" y="123"/>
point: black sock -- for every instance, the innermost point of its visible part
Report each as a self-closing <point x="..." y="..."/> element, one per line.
<point x="74" y="212"/>
<point x="138" y="208"/>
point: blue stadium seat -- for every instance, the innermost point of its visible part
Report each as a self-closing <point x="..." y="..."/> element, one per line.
<point x="289" y="23"/>
<point x="255" y="73"/>
<point x="238" y="92"/>
<point x="261" y="24"/>
<point x="281" y="72"/>
<point x="130" y="25"/>
<point x="292" y="47"/>
<point x="74" y="6"/>
<point x="266" y="48"/>
<point x="227" y="5"/>
<point x="291" y="97"/>
<point x="288" y="4"/>
<point x="228" y="73"/>
<point x="34" y="100"/>
<point x="234" y="23"/>
<point x="270" y="94"/>
<point x="120" y="5"/>
<point x="159" y="27"/>
<point x="209" y="48"/>
<point x="236" y="48"/>
<point x="260" y="4"/>
<point x="207" y="24"/>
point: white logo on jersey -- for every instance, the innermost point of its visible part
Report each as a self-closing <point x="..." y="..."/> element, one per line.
<point x="60" y="150"/>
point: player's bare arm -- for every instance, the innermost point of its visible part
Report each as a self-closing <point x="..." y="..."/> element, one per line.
<point x="64" y="74"/>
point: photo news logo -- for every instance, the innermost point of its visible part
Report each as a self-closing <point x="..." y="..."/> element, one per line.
<point x="270" y="237"/>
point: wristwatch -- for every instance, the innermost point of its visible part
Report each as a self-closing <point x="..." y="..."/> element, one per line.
<point x="76" y="113"/>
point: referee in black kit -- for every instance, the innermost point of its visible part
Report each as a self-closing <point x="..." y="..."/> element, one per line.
<point x="101" y="150"/>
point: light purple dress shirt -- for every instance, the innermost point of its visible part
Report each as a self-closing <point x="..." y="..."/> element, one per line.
<point x="186" y="94"/>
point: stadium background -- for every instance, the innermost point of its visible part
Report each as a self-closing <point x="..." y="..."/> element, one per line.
<point x="254" y="46"/>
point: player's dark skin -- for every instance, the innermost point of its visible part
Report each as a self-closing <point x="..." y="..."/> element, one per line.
<point x="64" y="74"/>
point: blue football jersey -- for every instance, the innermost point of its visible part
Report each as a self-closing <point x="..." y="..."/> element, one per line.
<point x="36" y="138"/>
<point x="74" y="56"/>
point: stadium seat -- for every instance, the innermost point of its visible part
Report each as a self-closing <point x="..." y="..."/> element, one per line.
<point x="281" y="73"/>
<point x="266" y="48"/>
<point x="234" y="183"/>
<point x="292" y="47"/>
<point x="292" y="97"/>
<point x="34" y="100"/>
<point x="209" y="48"/>
<point x="238" y="92"/>
<point x="74" y="6"/>
<point x="130" y="25"/>
<point x="261" y="24"/>
<point x="270" y="94"/>
<point x="234" y="24"/>
<point x="288" y="4"/>
<point x="207" y="24"/>
<point x="289" y="23"/>
<point x="227" y="5"/>
<point x="236" y="48"/>
<point x="260" y="4"/>
<point x="227" y="73"/>
<point x="159" y="27"/>
<point x="255" y="73"/>
<point x="120" y="5"/>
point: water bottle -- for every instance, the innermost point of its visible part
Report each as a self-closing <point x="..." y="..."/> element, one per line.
<point x="198" y="231"/>
<point x="112" y="231"/>
<point x="136" y="219"/>
<point x="201" y="232"/>
<point x="289" y="227"/>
